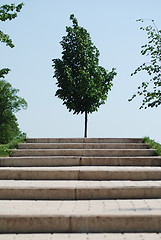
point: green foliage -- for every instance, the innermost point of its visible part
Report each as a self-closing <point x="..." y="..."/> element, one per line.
<point x="4" y="72"/>
<point x="82" y="84"/>
<point x="151" y="91"/>
<point x="8" y="12"/>
<point x="10" y="103"/>
<point x="4" y="38"/>
<point x="6" y="149"/>
<point x="154" y="145"/>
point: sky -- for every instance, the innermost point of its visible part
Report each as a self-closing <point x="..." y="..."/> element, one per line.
<point x="37" y="32"/>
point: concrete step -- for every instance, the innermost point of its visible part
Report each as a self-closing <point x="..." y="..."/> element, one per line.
<point x="82" y="236"/>
<point x="84" y="140"/>
<point x="50" y="161"/>
<point x="106" y="187"/>
<point x="101" y="216"/>
<point x="74" y="190"/>
<point x="83" y="152"/>
<point x="80" y="173"/>
<point x="83" y="146"/>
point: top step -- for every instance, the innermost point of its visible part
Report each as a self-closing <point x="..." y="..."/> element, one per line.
<point x="84" y="140"/>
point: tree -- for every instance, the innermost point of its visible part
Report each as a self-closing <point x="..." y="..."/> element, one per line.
<point x="151" y="90"/>
<point x="10" y="103"/>
<point x="82" y="84"/>
<point x="8" y="12"/>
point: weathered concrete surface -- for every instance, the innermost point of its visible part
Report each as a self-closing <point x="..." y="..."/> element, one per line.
<point x="73" y="190"/>
<point x="108" y="188"/>
<point x="50" y="161"/>
<point x="80" y="216"/>
<point x="83" y="146"/>
<point x="83" y="236"/>
<point x="84" y="140"/>
<point x="83" y="152"/>
<point x="80" y="173"/>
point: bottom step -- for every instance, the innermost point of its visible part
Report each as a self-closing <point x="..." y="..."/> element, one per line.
<point x="98" y="216"/>
<point x="83" y="236"/>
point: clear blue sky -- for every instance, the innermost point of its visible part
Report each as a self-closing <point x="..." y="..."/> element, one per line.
<point x="37" y="31"/>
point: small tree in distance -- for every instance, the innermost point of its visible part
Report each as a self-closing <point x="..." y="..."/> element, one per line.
<point x="82" y="84"/>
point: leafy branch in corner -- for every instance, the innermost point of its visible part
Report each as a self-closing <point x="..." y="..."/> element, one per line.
<point x="150" y="90"/>
<point x="8" y="12"/>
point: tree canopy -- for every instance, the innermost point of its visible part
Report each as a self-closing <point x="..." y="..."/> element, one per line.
<point x="10" y="103"/>
<point x="82" y="84"/>
<point x="151" y="90"/>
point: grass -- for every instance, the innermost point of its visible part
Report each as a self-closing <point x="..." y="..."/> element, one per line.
<point x="154" y="145"/>
<point x="6" y="149"/>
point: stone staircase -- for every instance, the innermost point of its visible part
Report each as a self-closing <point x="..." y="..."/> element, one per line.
<point x="85" y="189"/>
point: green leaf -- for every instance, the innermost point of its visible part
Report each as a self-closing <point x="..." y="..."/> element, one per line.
<point x="152" y="68"/>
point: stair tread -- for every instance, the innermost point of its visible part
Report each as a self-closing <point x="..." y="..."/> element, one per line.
<point x="81" y="157"/>
<point x="83" y="236"/>
<point x="83" y="152"/>
<point x="82" y="140"/>
<point x="81" y="173"/>
<point x="139" y="207"/>
<point x="83" y="146"/>
<point x="80" y="161"/>
<point x="86" y="168"/>
<point x="74" y="184"/>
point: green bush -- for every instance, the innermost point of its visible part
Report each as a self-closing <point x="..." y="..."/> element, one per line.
<point x="5" y="149"/>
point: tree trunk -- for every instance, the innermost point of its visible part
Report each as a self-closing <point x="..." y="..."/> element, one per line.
<point x="86" y="119"/>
